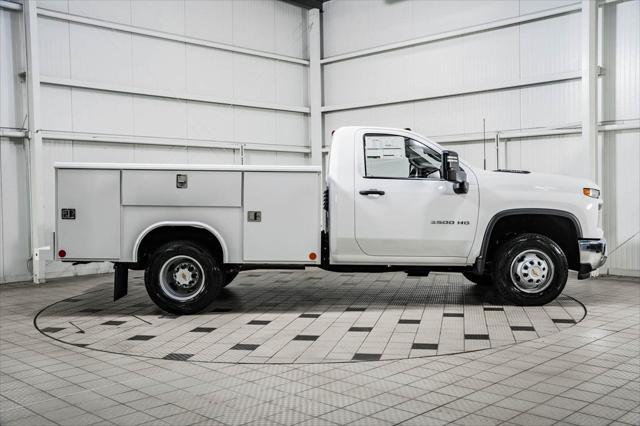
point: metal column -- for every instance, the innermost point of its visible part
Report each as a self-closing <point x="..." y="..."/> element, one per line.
<point x="315" y="87"/>
<point x="36" y="207"/>
<point x="589" y="27"/>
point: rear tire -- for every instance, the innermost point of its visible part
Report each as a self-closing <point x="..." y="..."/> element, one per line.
<point x="482" y="280"/>
<point x="530" y="270"/>
<point x="183" y="277"/>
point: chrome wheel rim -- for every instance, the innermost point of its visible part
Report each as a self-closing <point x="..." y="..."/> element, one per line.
<point x="182" y="278"/>
<point x="531" y="271"/>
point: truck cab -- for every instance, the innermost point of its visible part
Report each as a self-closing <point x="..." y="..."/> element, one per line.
<point x="393" y="201"/>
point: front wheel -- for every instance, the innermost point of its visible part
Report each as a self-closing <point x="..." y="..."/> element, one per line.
<point x="183" y="277"/>
<point x="530" y="270"/>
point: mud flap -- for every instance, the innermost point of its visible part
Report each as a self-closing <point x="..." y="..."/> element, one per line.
<point x="120" y="280"/>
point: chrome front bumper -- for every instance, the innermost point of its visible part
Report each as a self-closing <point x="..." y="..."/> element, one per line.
<point x="592" y="254"/>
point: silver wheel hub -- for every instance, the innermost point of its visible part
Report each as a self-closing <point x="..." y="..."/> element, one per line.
<point x="532" y="271"/>
<point x="182" y="278"/>
<point x="185" y="275"/>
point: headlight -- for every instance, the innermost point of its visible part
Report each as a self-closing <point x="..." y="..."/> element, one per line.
<point x="591" y="192"/>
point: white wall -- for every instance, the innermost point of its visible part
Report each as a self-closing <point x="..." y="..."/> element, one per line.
<point x="183" y="81"/>
<point x="521" y="75"/>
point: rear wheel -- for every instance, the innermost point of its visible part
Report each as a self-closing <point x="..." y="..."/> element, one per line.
<point x="183" y="277"/>
<point x="530" y="269"/>
<point x="483" y="280"/>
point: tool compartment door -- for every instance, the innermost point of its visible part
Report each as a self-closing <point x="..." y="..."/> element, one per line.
<point x="89" y="228"/>
<point x="281" y="217"/>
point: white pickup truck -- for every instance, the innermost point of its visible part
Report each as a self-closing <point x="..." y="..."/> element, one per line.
<point x="394" y="201"/>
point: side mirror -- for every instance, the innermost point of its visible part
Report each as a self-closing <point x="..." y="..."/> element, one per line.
<point x="450" y="171"/>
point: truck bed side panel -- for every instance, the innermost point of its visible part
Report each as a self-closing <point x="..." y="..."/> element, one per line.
<point x="201" y="188"/>
<point x="94" y="196"/>
<point x="288" y="228"/>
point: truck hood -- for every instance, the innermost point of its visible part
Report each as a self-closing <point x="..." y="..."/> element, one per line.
<point x="530" y="181"/>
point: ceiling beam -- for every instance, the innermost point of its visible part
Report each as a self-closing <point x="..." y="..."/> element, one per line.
<point x="307" y="4"/>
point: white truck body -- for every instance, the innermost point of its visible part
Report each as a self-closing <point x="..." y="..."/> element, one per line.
<point x="117" y="205"/>
<point x="394" y="201"/>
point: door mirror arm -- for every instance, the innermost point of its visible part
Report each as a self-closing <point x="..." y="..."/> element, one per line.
<point x="451" y="172"/>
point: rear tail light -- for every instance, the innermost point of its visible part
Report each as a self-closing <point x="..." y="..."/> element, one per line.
<point x="62" y="253"/>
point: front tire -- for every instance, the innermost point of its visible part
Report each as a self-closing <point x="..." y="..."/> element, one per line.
<point x="530" y="270"/>
<point x="183" y="277"/>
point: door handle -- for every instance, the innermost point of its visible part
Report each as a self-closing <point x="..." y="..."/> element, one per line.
<point x="372" y="192"/>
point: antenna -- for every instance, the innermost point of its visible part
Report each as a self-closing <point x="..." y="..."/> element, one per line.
<point x="484" y="146"/>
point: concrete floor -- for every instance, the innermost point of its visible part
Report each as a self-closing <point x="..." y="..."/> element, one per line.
<point x="557" y="373"/>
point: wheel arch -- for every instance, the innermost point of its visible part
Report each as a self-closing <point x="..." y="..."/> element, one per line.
<point x="571" y="252"/>
<point x="171" y="225"/>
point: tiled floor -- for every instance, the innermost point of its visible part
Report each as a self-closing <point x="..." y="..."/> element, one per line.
<point x="587" y="373"/>
<point x="309" y="317"/>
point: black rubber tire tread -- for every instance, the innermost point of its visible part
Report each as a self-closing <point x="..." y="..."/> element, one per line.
<point x="502" y="270"/>
<point x="229" y="276"/>
<point x="483" y="280"/>
<point x="212" y="271"/>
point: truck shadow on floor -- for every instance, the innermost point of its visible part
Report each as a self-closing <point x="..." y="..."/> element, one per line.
<point x="293" y="296"/>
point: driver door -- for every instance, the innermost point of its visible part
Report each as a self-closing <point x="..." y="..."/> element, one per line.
<point x="402" y="206"/>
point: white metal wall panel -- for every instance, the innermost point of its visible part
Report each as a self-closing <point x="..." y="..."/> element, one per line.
<point x="621" y="218"/>
<point x="159" y="64"/>
<point x="160" y="117"/>
<point x="434" y="69"/>
<point x="290" y="30"/>
<point x="210" y="121"/>
<point x="100" y="112"/>
<point x="91" y="152"/>
<point x="550" y="46"/>
<point x="55" y="108"/>
<point x="165" y="15"/>
<point x="210" y="156"/>
<point x="291" y="81"/>
<point x="561" y="155"/>
<point x="14" y="211"/>
<point x="549" y="105"/>
<point x="351" y="25"/>
<point x="107" y="10"/>
<point x="209" y="72"/>
<point x="57" y="5"/>
<point x="160" y="154"/>
<point x="389" y="76"/>
<point x="440" y="116"/>
<point x="209" y="20"/>
<point x="290" y="128"/>
<point x="254" y="78"/>
<point x="253" y="24"/>
<point x="262" y="128"/>
<point x="433" y="17"/>
<point x="490" y="58"/>
<point x="54" y="48"/>
<point x="260" y="157"/>
<point x="621" y="61"/>
<point x="99" y="55"/>
<point x="389" y="22"/>
<point x="12" y="107"/>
